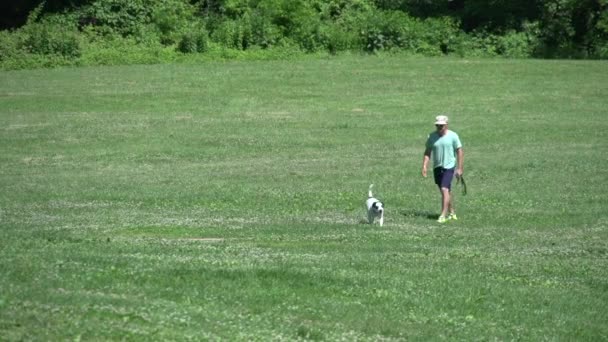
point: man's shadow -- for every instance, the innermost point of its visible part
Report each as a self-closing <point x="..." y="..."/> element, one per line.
<point x="420" y="213"/>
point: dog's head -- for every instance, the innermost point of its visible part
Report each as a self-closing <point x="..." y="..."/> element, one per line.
<point x="378" y="207"/>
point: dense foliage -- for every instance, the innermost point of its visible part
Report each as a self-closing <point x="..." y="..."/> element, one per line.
<point x="147" y="31"/>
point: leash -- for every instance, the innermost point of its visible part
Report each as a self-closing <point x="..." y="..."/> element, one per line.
<point x="464" y="184"/>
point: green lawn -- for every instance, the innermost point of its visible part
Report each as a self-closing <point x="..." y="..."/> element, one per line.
<point x="224" y="201"/>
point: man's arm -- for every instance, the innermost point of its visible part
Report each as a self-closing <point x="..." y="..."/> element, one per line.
<point x="425" y="161"/>
<point x="460" y="169"/>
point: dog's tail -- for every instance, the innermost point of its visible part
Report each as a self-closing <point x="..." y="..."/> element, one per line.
<point x="369" y="192"/>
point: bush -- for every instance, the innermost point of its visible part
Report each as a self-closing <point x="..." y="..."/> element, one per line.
<point x="337" y="39"/>
<point x="511" y="44"/>
<point x="514" y="44"/>
<point x="264" y="33"/>
<point x="394" y="30"/>
<point x="232" y="34"/>
<point x="187" y="43"/>
<point x="9" y="45"/>
<point x="599" y="34"/>
<point x="49" y="39"/>
<point x="192" y="42"/>
<point x="117" y="16"/>
<point x="601" y="51"/>
<point x="438" y="36"/>
<point x="117" y="50"/>
<point x="476" y="44"/>
<point x="386" y="30"/>
<point x="172" y="19"/>
<point x="31" y="61"/>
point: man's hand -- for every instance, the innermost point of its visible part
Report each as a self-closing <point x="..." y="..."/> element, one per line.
<point x="425" y="161"/>
<point x="459" y="173"/>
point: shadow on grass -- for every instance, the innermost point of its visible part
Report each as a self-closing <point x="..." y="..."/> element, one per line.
<point x="420" y="214"/>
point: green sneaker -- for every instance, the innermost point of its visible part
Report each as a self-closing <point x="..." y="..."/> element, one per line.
<point x="453" y="217"/>
<point x="442" y="219"/>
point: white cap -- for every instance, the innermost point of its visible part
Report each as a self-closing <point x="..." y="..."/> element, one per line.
<point x="441" y="120"/>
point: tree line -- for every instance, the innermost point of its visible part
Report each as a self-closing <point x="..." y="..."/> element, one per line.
<point x="93" y="31"/>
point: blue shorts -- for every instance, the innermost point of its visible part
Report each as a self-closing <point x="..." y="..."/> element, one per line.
<point x="443" y="177"/>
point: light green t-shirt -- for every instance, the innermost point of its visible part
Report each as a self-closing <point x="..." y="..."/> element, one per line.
<point x="443" y="149"/>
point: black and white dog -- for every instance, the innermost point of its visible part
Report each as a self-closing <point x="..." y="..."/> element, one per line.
<point x="375" y="208"/>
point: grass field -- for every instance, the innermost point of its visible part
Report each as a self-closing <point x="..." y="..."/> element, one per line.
<point x="224" y="201"/>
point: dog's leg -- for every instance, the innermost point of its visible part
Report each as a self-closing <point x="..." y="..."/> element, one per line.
<point x="370" y="217"/>
<point x="381" y="218"/>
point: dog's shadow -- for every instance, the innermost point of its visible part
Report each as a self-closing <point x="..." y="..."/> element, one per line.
<point x="411" y="214"/>
<point x="419" y="214"/>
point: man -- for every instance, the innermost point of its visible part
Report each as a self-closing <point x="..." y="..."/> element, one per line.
<point x="445" y="148"/>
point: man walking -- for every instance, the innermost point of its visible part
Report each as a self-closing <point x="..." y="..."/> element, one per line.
<point x="445" y="148"/>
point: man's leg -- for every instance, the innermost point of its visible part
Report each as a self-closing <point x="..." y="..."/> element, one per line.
<point x="451" y="209"/>
<point x="446" y="201"/>
<point x="443" y="178"/>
